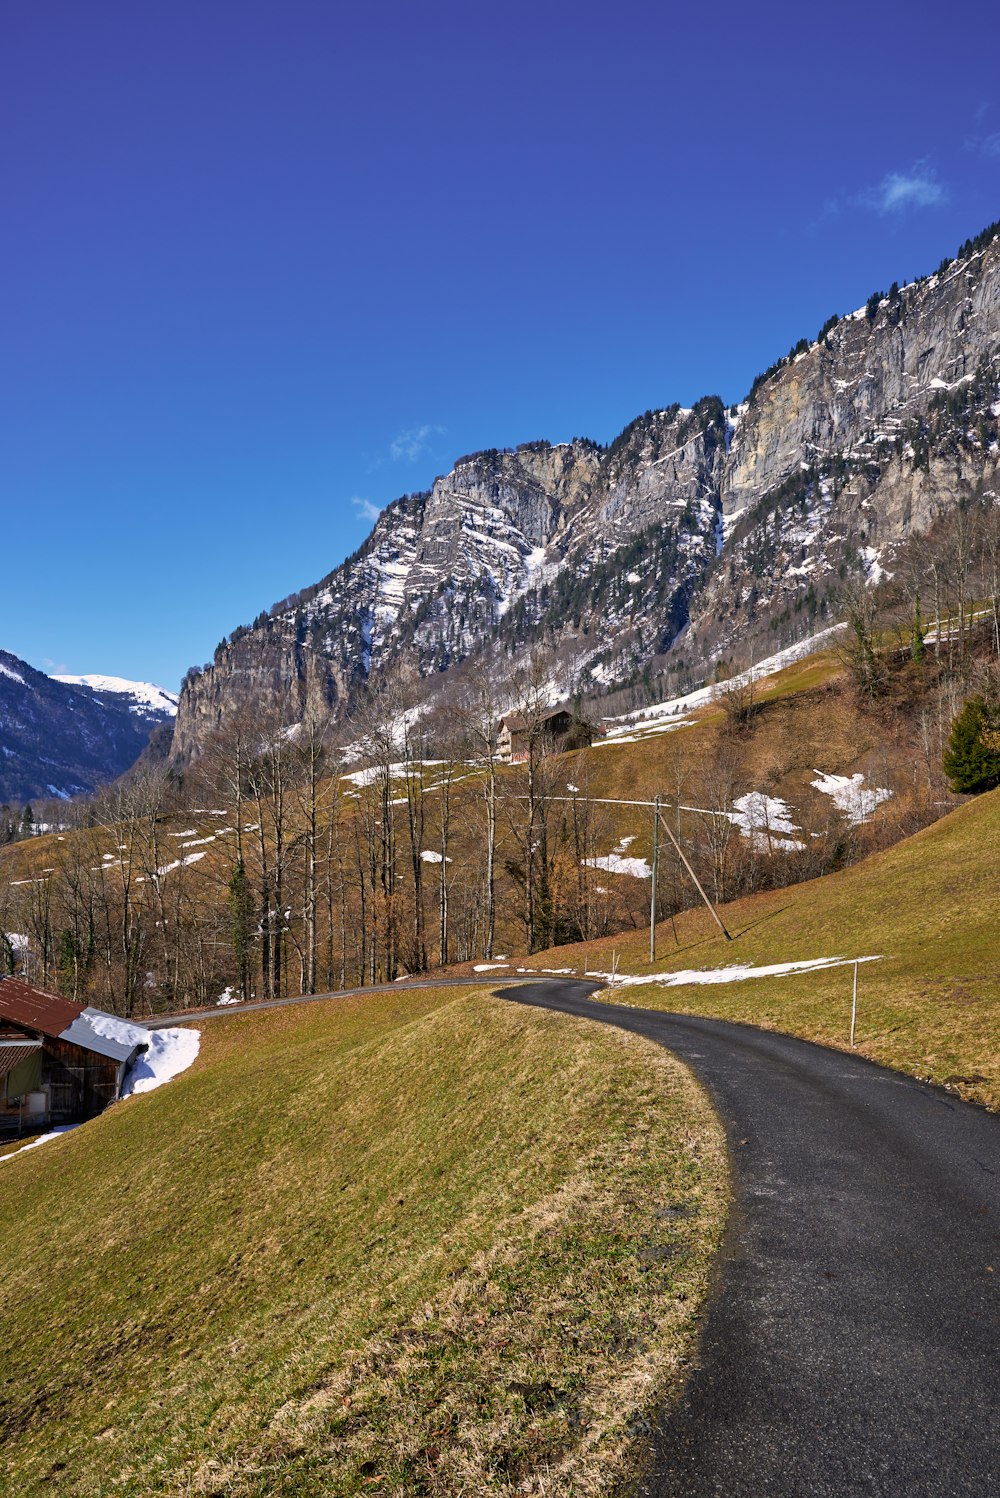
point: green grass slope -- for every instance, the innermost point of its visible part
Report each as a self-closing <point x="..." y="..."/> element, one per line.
<point x="929" y="907"/>
<point x="426" y="1242"/>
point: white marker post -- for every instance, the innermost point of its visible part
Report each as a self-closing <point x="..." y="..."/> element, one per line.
<point x="652" y="893"/>
<point x="854" y="1003"/>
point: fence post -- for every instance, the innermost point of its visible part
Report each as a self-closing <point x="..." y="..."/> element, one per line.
<point x="854" y="1003"/>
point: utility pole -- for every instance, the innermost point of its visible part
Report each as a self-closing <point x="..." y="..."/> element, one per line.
<point x="652" y="893"/>
<point x="694" y="877"/>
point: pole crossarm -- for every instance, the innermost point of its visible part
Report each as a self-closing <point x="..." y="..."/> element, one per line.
<point x="701" y="811"/>
<point x="657" y="808"/>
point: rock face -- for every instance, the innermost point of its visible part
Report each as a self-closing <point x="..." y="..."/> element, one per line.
<point x="58" y="738"/>
<point x="693" y="531"/>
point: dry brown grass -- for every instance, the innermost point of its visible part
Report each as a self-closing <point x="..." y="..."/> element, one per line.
<point x="421" y="1242"/>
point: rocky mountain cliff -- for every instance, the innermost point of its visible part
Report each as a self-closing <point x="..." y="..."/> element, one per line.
<point x="59" y="737"/>
<point x="693" y="532"/>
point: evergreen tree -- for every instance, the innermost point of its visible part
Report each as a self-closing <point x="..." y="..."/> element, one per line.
<point x="917" y="646"/>
<point x="8" y="957"/>
<point x="242" y="927"/>
<point x="972" y="758"/>
<point x="68" y="961"/>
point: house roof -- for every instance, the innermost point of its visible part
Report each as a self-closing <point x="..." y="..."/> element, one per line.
<point x="107" y="1035"/>
<point x="36" y="1009"/>
<point x="517" y="723"/>
<point x="60" y="1019"/>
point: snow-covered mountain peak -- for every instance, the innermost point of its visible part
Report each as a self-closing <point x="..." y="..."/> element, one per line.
<point x="146" y="695"/>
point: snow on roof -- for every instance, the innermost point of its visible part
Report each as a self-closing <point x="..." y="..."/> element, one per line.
<point x="156" y="1056"/>
<point x="106" y="1035"/>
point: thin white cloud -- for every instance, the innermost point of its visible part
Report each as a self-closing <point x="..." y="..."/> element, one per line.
<point x="365" y="508"/>
<point x="979" y="144"/>
<point x="407" y="446"/>
<point x="917" y="188"/>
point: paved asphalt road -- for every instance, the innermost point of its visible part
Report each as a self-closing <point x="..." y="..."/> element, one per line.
<point x="852" y="1341"/>
<point x="188" y="1016"/>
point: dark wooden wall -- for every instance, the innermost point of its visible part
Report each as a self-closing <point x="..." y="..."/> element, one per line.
<point x="82" y="1083"/>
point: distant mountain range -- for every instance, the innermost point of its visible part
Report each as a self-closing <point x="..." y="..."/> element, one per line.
<point x="63" y="735"/>
<point x="697" y="535"/>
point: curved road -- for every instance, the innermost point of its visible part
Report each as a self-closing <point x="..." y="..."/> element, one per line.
<point x="852" y="1340"/>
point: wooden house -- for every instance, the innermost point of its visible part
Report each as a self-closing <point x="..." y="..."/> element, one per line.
<point x="59" y="1063"/>
<point x="553" y="730"/>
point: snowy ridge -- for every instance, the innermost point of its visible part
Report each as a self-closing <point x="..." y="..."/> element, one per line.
<point x="63" y="735"/>
<point x="145" y="694"/>
<point x="664" y="717"/>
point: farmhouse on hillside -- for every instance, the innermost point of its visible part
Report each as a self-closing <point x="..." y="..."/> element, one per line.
<point x="58" y="1063"/>
<point x="552" y="730"/>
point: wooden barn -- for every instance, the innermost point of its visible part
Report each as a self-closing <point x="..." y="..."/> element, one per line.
<point x="554" y="729"/>
<point x="58" y="1063"/>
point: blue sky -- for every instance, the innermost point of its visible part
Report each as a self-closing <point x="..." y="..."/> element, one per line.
<point x="267" y="264"/>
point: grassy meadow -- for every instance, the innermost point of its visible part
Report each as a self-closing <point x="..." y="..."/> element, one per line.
<point x="929" y="908"/>
<point x="421" y="1242"/>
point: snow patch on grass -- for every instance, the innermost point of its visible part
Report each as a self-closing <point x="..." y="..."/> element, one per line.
<point x="850" y="795"/>
<point x="631" y="727"/>
<point x="42" y="1139"/>
<point x="729" y="974"/>
<point x="766" y="822"/>
<point x="170" y="1052"/>
<point x="178" y="863"/>
<point x="614" y="863"/>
